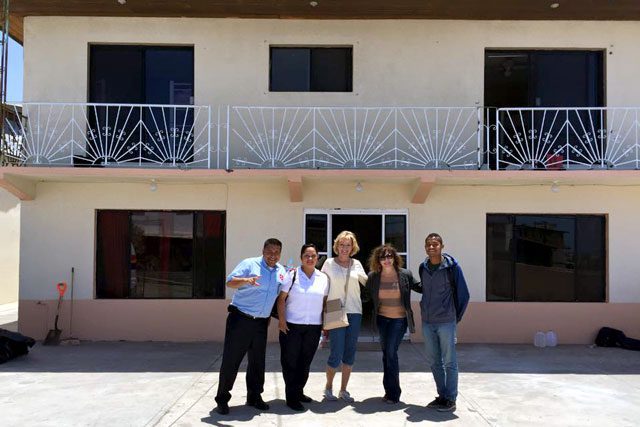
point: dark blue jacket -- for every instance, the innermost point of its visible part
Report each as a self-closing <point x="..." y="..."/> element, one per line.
<point x="439" y="303"/>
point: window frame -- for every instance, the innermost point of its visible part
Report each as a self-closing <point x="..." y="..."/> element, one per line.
<point x="218" y="294"/>
<point x="513" y="257"/>
<point x="141" y="47"/>
<point x="311" y="48"/>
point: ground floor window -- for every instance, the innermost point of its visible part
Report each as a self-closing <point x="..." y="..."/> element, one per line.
<point x="160" y="254"/>
<point x="546" y="258"/>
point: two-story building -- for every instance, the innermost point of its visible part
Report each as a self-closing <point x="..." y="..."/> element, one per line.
<point x="161" y="142"/>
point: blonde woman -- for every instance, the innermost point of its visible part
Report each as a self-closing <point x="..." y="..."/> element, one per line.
<point x="343" y="341"/>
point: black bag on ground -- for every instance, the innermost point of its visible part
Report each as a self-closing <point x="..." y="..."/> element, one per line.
<point x="13" y="344"/>
<point x="609" y="337"/>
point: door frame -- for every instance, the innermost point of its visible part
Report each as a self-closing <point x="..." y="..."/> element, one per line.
<point x="382" y="212"/>
<point x="338" y="211"/>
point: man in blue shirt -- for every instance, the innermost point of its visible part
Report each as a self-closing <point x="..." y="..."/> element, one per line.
<point x="257" y="282"/>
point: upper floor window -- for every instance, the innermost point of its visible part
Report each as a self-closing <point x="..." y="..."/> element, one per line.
<point x="543" y="78"/>
<point x="160" y="254"/>
<point x="128" y="74"/>
<point x="311" y="69"/>
<point x="546" y="258"/>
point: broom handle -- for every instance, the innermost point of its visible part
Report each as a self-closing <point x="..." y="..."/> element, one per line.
<point x="57" y="313"/>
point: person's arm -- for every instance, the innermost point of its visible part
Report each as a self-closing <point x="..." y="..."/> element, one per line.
<point x="462" y="291"/>
<point x="324" y="308"/>
<point x="365" y="291"/>
<point x="416" y="285"/>
<point x="237" y="282"/>
<point x="362" y="276"/>
<point x="282" y="320"/>
<point x="281" y="305"/>
<point x="241" y="275"/>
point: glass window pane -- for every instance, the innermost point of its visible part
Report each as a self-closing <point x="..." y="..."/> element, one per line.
<point x="395" y="231"/>
<point x="290" y="69"/>
<point x="590" y="259"/>
<point x="545" y="258"/>
<point x="209" y="255"/>
<point x="331" y="69"/>
<point x="116" y="74"/>
<point x="499" y="258"/>
<point x="163" y="247"/>
<point x="168" y="75"/>
<point x="316" y="231"/>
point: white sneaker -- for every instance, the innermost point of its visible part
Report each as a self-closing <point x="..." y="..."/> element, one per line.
<point x="328" y="395"/>
<point x="344" y="395"/>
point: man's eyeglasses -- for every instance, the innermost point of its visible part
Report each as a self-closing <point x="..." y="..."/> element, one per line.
<point x="310" y="256"/>
<point x="387" y="256"/>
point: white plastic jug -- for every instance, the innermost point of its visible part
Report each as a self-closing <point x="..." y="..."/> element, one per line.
<point x="551" y="339"/>
<point x="540" y="339"/>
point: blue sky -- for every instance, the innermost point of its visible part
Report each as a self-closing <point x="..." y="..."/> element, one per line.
<point x="14" y="85"/>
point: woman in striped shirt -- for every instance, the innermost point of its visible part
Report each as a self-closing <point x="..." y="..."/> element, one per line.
<point x="390" y="287"/>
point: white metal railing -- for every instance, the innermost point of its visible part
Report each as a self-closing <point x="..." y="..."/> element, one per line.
<point x="86" y="134"/>
<point x="235" y="137"/>
<point x="567" y="138"/>
<point x="354" y="137"/>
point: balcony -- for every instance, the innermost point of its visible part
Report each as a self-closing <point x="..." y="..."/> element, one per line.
<point x="359" y="138"/>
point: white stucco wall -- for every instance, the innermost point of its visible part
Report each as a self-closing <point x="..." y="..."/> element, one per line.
<point x="405" y="62"/>
<point x="58" y="228"/>
<point x="9" y="246"/>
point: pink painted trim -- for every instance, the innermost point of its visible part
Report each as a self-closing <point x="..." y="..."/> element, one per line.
<point x="204" y="320"/>
<point x="516" y="323"/>
<point x="482" y="176"/>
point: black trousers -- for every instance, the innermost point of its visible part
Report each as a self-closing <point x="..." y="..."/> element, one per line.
<point x="243" y="336"/>
<point x="297" y="348"/>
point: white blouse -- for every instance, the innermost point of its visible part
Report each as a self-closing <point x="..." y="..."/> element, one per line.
<point x="337" y="277"/>
<point x="305" y="296"/>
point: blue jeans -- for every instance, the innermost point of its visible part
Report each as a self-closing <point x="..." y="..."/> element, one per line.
<point x="343" y="342"/>
<point x="439" y="343"/>
<point x="391" y="333"/>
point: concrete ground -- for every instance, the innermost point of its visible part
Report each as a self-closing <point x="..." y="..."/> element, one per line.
<point x="149" y="384"/>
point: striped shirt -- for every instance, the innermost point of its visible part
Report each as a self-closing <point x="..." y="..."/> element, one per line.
<point x="390" y="300"/>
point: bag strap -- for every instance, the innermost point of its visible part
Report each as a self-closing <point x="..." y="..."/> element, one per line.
<point x="346" y="283"/>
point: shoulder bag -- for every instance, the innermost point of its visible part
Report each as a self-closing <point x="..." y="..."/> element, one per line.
<point x="335" y="315"/>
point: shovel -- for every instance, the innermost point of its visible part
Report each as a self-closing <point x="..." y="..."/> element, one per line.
<point x="53" y="337"/>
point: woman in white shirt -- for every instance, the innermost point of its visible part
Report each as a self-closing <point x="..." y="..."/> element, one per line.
<point x="343" y="341"/>
<point x="300" y="307"/>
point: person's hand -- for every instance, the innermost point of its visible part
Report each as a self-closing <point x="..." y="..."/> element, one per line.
<point x="253" y="280"/>
<point x="282" y="326"/>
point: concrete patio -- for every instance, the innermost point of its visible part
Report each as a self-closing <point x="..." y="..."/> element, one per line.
<point x="149" y="384"/>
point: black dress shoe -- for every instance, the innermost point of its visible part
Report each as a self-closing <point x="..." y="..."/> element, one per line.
<point x="222" y="408"/>
<point x="305" y="399"/>
<point x="258" y="403"/>
<point x="296" y="406"/>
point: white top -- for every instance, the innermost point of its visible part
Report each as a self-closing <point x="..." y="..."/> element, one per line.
<point x="305" y="297"/>
<point x="337" y="277"/>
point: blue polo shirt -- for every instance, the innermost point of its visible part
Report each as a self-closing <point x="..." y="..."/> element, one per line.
<point x="257" y="301"/>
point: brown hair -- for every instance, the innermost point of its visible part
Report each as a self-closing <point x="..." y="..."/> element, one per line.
<point x="374" y="259"/>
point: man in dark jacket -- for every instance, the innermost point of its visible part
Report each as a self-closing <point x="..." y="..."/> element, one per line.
<point x="444" y="299"/>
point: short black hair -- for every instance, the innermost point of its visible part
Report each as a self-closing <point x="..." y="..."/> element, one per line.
<point x="272" y="241"/>
<point x="434" y="236"/>
<point x="307" y="246"/>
